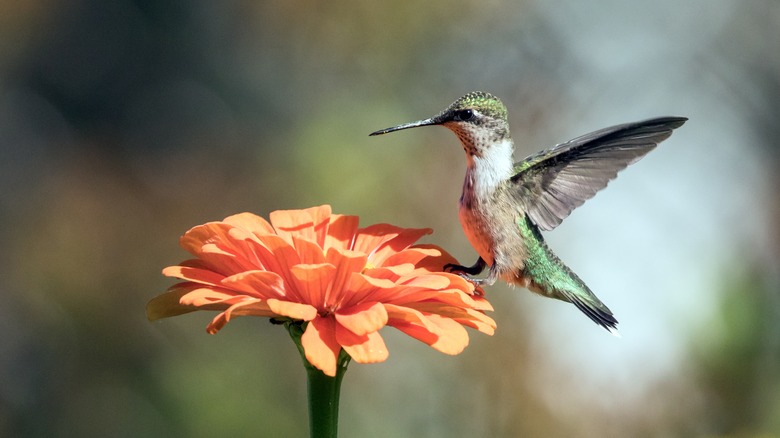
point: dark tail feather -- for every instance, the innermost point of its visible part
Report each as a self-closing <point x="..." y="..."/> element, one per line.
<point x="601" y="316"/>
<point x="550" y="277"/>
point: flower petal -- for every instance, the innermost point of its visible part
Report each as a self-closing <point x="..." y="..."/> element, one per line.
<point x="225" y="248"/>
<point x="313" y="282"/>
<point x="478" y="321"/>
<point x="363" y="288"/>
<point x="480" y="303"/>
<point x="369" y="348"/>
<point x="292" y="310"/>
<point x="458" y="282"/>
<point x="211" y="298"/>
<point x="434" y="263"/>
<point x="167" y="304"/>
<point x="197" y="275"/>
<point x="276" y="255"/>
<point x="441" y="333"/>
<point x="250" y="307"/>
<point x="347" y="283"/>
<point x="422" y="295"/>
<point x="308" y="252"/>
<point x="311" y="223"/>
<point x="341" y="232"/>
<point x="212" y="243"/>
<point x="464" y="316"/>
<point x="347" y="263"/>
<point x="382" y="240"/>
<point x="250" y="222"/>
<point x="370" y="238"/>
<point x="320" y="346"/>
<point x="411" y="256"/>
<point x="258" y="284"/>
<point x="222" y="261"/>
<point x="194" y="239"/>
<point x="363" y="318"/>
<point x="390" y="272"/>
<point x="428" y="281"/>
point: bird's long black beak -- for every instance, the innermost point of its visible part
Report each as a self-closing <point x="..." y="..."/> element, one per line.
<point x="427" y="122"/>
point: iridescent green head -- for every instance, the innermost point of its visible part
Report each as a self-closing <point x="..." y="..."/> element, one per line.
<point x="485" y="103"/>
<point x="479" y="120"/>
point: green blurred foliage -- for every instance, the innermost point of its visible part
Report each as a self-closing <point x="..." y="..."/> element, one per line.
<point x="123" y="123"/>
<point x="738" y="353"/>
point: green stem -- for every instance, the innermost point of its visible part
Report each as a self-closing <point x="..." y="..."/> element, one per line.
<point x="323" y="390"/>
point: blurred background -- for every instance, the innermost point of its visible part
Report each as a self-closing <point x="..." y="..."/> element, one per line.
<point x="124" y="123"/>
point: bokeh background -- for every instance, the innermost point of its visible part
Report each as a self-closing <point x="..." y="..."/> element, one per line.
<point x="123" y="123"/>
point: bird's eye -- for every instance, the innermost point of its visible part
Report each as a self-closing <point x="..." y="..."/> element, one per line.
<point x="464" y="115"/>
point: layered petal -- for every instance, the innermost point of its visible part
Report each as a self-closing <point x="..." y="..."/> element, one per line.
<point x="380" y="241"/>
<point x="168" y="304"/>
<point x="320" y="345"/>
<point x="313" y="282"/>
<point x="244" y="307"/>
<point x="250" y="222"/>
<point x="441" y="333"/>
<point x="347" y="264"/>
<point x="368" y="348"/>
<point x="363" y="318"/>
<point x="303" y="312"/>
<point x="259" y="284"/>
<point x="311" y="223"/>
<point x="196" y="275"/>
<point x="342" y="284"/>
<point x="410" y="256"/>
<point x="341" y="232"/>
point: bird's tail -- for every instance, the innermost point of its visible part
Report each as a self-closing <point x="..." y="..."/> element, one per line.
<point x="545" y="274"/>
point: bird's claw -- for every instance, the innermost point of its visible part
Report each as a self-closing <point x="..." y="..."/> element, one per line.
<point x="470" y="270"/>
<point x="460" y="271"/>
<point x="452" y="268"/>
<point x="469" y="273"/>
<point x="463" y="272"/>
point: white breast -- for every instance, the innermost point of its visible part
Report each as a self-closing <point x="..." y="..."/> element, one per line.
<point x="484" y="174"/>
<point x="492" y="167"/>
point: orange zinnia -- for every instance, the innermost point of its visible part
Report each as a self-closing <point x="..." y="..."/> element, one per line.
<point x="345" y="282"/>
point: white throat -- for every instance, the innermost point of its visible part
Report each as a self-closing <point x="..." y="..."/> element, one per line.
<point x="486" y="172"/>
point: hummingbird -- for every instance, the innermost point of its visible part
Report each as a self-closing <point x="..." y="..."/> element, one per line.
<point x="505" y="206"/>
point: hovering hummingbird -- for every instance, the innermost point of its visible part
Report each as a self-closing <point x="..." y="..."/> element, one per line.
<point x="505" y="205"/>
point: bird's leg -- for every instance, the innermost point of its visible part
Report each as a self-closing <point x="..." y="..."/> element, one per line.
<point x="474" y="269"/>
<point x="468" y="273"/>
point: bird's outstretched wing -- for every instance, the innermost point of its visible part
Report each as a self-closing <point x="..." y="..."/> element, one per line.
<point x="560" y="179"/>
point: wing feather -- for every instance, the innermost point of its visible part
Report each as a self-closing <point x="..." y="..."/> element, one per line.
<point x="560" y="179"/>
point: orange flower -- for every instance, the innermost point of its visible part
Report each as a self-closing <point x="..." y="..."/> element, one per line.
<point x="314" y="266"/>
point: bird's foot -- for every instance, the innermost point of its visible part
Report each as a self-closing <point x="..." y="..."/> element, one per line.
<point x="477" y="282"/>
<point x="475" y="269"/>
<point x="452" y="268"/>
<point x="468" y="274"/>
<point x="471" y="279"/>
